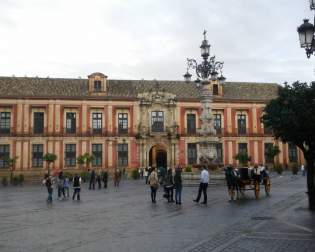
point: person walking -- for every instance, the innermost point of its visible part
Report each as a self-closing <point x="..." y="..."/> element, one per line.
<point x="60" y="184"/>
<point x="92" y="180"/>
<point x="98" y="180"/>
<point x="303" y="170"/>
<point x="169" y="185"/>
<point x="204" y="180"/>
<point x="117" y="177"/>
<point x="105" y="178"/>
<point x="76" y="186"/>
<point x="48" y="182"/>
<point x="154" y="184"/>
<point x="178" y="185"/>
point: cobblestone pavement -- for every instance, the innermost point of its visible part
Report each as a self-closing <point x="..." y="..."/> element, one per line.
<point x="123" y="219"/>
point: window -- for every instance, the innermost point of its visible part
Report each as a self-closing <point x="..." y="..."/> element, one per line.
<point x="241" y="124"/>
<point x="37" y="155"/>
<point x="38" y="122"/>
<point x="157" y="121"/>
<point x="242" y="148"/>
<point x="268" y="147"/>
<point x="192" y="153"/>
<point x="70" y="154"/>
<point x="5" y="122"/>
<point x="97" y="86"/>
<point x="219" y="152"/>
<point x="215" y="89"/>
<point x="292" y="153"/>
<point x="97" y="153"/>
<point x="122" y="123"/>
<point x="217" y="122"/>
<point x="70" y="123"/>
<point x="191" y="124"/>
<point x="97" y="123"/>
<point x="4" y="154"/>
<point x="122" y="150"/>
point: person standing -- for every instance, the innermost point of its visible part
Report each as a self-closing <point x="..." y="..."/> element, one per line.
<point x="60" y="184"/>
<point x="204" y="180"/>
<point x="66" y="186"/>
<point x="92" y="180"/>
<point x="154" y="184"/>
<point x="178" y="185"/>
<point x="48" y="182"/>
<point x="98" y="180"/>
<point x="117" y="177"/>
<point x="303" y="170"/>
<point x="146" y="175"/>
<point x="169" y="185"/>
<point x="76" y="186"/>
<point x="105" y="178"/>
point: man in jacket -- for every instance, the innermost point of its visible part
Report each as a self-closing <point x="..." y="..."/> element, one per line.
<point x="76" y="186"/>
<point x="204" y="180"/>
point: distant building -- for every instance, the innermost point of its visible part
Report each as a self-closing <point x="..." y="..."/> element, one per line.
<point x="129" y="123"/>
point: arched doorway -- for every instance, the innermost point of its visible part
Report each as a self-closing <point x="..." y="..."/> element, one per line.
<point x="158" y="156"/>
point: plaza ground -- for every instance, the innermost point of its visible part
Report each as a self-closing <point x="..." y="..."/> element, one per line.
<point x="124" y="219"/>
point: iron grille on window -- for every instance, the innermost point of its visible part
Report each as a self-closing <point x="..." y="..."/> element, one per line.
<point x="268" y="147"/>
<point x="122" y="150"/>
<point x="37" y="155"/>
<point x="292" y="152"/>
<point x="5" y="122"/>
<point x="217" y="122"/>
<point x="122" y="123"/>
<point x="219" y="152"/>
<point x="38" y="122"/>
<point x="97" y="123"/>
<point x="97" y="86"/>
<point x="157" y="121"/>
<point x="70" y="123"/>
<point x="70" y="154"/>
<point x="191" y="123"/>
<point x="242" y="148"/>
<point x="192" y="153"/>
<point x="4" y="154"/>
<point x="241" y="124"/>
<point x="97" y="153"/>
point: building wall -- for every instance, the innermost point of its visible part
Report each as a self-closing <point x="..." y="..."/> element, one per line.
<point x="54" y="139"/>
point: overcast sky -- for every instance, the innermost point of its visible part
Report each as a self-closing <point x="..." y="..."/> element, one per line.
<point x="151" y="39"/>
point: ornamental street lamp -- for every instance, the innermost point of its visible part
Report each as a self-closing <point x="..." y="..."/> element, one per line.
<point x="208" y="71"/>
<point x="208" y="68"/>
<point x="306" y="34"/>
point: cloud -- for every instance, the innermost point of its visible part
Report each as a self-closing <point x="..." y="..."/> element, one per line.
<point x="150" y="39"/>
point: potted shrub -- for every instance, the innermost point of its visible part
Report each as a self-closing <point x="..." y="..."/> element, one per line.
<point x="188" y="168"/>
<point x="295" y="169"/>
<point x="21" y="179"/>
<point x="135" y="174"/>
<point x="278" y="168"/>
<point x="272" y="152"/>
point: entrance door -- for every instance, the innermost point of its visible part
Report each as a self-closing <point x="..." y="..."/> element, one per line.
<point x="158" y="157"/>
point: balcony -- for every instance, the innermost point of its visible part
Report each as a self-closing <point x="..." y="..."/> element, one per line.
<point x="242" y="131"/>
<point x="6" y="132"/>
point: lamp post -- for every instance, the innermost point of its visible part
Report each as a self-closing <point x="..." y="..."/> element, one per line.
<point x="208" y="71"/>
<point x="306" y="33"/>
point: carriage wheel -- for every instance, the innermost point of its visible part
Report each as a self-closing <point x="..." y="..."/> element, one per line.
<point x="257" y="189"/>
<point x="267" y="185"/>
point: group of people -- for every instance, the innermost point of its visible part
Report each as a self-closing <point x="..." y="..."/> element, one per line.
<point x="98" y="177"/>
<point x="63" y="186"/>
<point x="173" y="181"/>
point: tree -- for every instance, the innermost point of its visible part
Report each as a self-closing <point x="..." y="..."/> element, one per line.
<point x="86" y="158"/>
<point x="10" y="163"/>
<point x="291" y="116"/>
<point x="242" y="158"/>
<point x="49" y="158"/>
<point x="272" y="152"/>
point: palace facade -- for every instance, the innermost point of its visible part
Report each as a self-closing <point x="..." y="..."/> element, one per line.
<point x="129" y="123"/>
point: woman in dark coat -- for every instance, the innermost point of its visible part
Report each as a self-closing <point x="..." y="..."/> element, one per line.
<point x="169" y="185"/>
<point x="178" y="185"/>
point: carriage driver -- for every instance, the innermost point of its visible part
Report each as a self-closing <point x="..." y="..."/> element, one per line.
<point x="256" y="173"/>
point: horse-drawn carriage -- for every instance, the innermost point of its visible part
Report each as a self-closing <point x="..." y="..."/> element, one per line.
<point x="251" y="180"/>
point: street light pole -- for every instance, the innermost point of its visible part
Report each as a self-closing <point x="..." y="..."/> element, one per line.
<point x="207" y="71"/>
